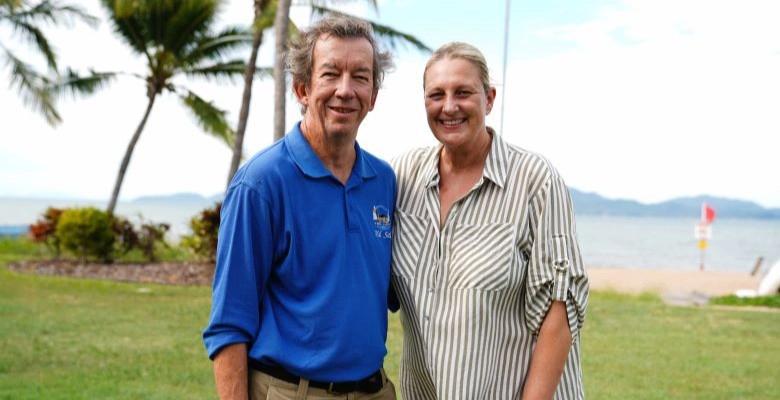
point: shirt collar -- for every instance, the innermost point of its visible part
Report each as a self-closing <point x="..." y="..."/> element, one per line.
<point x="305" y="158"/>
<point x="495" y="166"/>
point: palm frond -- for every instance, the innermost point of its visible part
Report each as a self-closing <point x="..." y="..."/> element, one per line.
<point x="74" y="84"/>
<point x="385" y="34"/>
<point x="32" y="88"/>
<point x="11" y="4"/>
<point x="230" y="71"/>
<point x="34" y="35"/>
<point x="51" y="12"/>
<point x="394" y="37"/>
<point x="128" y="27"/>
<point x="211" y="119"/>
<point x="216" y="47"/>
<point x="266" y="19"/>
<point x="324" y="3"/>
<point x="187" y="19"/>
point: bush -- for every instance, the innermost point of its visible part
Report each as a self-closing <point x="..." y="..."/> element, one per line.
<point x="205" y="228"/>
<point x="86" y="232"/>
<point x="150" y="235"/>
<point x="45" y="230"/>
<point x="125" y="236"/>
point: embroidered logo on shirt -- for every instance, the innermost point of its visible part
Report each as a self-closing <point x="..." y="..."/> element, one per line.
<point x="381" y="217"/>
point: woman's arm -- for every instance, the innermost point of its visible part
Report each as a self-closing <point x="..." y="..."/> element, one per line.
<point x="549" y="358"/>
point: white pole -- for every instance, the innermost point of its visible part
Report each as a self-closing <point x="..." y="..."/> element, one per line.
<point x="503" y="78"/>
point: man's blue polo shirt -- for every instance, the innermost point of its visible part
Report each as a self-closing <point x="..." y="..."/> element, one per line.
<point x="303" y="263"/>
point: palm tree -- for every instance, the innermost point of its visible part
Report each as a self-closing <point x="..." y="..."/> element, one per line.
<point x="25" y="19"/>
<point x="283" y="29"/>
<point x="261" y="23"/>
<point x="281" y="24"/>
<point x="175" y="38"/>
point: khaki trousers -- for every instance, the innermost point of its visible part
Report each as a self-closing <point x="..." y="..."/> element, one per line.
<point x="265" y="387"/>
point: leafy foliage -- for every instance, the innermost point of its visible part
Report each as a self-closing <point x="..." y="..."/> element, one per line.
<point x="125" y="236"/>
<point x="87" y="233"/>
<point x="176" y="38"/>
<point x="150" y="235"/>
<point x="86" y="225"/>
<point x="205" y="229"/>
<point x="24" y="19"/>
<point x="45" y="230"/>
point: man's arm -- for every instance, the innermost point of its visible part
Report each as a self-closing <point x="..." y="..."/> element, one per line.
<point x="549" y="358"/>
<point x="230" y="372"/>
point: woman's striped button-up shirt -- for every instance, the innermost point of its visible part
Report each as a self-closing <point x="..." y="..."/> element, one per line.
<point x="474" y="292"/>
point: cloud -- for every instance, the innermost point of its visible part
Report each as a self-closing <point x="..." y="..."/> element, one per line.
<point x="655" y="100"/>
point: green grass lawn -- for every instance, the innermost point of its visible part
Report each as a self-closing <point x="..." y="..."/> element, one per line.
<point x="64" y="338"/>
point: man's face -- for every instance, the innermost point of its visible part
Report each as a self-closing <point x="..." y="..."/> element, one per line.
<point x="340" y="93"/>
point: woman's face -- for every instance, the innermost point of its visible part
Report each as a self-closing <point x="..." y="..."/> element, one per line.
<point x="456" y="102"/>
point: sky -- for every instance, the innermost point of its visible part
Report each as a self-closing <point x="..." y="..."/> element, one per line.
<point x="645" y="100"/>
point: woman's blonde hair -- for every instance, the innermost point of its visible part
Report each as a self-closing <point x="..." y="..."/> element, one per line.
<point x="463" y="51"/>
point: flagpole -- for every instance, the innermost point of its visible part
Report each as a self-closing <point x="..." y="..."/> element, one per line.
<point x="503" y="78"/>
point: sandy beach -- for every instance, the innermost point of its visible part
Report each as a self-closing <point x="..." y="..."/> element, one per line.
<point x="671" y="282"/>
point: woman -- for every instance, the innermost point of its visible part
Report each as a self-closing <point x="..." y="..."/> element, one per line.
<point x="486" y="263"/>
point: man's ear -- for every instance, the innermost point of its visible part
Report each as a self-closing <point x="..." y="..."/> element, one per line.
<point x="300" y="93"/>
<point x="373" y="101"/>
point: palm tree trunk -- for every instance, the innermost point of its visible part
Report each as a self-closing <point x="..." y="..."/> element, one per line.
<point x="249" y="74"/>
<point x="129" y="153"/>
<point x="281" y="24"/>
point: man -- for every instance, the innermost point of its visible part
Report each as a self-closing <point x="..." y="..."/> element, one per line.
<point x="303" y="261"/>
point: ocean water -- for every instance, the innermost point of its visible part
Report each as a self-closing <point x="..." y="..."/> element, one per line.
<point x="670" y="243"/>
<point x="619" y="242"/>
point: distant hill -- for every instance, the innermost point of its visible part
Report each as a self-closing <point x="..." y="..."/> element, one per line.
<point x="16" y="213"/>
<point x="690" y="207"/>
<point x="586" y="203"/>
<point x="174" y="198"/>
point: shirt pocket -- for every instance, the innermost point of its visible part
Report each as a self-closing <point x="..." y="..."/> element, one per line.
<point x="482" y="256"/>
<point x="409" y="235"/>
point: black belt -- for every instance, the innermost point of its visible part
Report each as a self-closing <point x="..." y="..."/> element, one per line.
<point x="372" y="384"/>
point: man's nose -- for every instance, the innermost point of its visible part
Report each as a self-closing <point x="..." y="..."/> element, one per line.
<point x="345" y="86"/>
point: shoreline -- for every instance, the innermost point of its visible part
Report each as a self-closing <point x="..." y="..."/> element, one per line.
<point x="670" y="282"/>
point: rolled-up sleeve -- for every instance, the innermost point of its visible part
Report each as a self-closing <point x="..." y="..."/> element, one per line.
<point x="555" y="269"/>
<point x="244" y="254"/>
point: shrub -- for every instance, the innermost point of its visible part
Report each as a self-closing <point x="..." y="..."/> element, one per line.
<point x="125" y="236"/>
<point x="86" y="232"/>
<point x="45" y="230"/>
<point x="150" y="235"/>
<point x="205" y="228"/>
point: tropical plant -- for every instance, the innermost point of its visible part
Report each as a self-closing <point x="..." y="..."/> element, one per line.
<point x="284" y="28"/>
<point x="205" y="232"/>
<point x="45" y="230"/>
<point x="25" y="19"/>
<point x="151" y="235"/>
<point x="176" y="38"/>
<point x="86" y="232"/>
